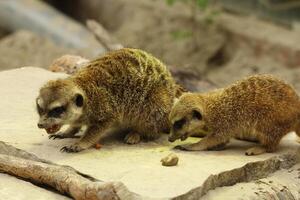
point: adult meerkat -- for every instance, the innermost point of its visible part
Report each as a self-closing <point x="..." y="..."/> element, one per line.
<point x="125" y="90"/>
<point x="260" y="107"/>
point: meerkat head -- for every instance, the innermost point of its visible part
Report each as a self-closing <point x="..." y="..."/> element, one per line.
<point x="60" y="102"/>
<point x="187" y="117"/>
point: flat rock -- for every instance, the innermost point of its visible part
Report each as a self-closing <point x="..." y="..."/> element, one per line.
<point x="137" y="166"/>
<point x="12" y="188"/>
<point x="283" y="184"/>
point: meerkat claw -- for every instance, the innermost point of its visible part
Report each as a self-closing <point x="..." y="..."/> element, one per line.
<point x="71" y="149"/>
<point x="56" y="136"/>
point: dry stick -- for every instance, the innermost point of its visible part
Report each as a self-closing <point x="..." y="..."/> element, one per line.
<point x="64" y="179"/>
<point x="13" y="151"/>
<point x="103" y="36"/>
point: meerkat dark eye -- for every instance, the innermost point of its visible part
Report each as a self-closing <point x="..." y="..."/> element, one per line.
<point x="179" y="124"/>
<point x="197" y="115"/>
<point x="56" y="112"/>
<point x="79" y="100"/>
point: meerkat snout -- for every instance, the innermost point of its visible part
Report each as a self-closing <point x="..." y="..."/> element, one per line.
<point x="177" y="130"/>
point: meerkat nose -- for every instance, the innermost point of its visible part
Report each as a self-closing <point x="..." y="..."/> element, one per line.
<point x="40" y="125"/>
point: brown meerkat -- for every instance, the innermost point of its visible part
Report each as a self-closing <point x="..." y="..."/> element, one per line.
<point x="125" y="90"/>
<point x="260" y="107"/>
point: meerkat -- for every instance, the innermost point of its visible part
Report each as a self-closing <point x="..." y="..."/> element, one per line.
<point x="125" y="90"/>
<point x="260" y="107"/>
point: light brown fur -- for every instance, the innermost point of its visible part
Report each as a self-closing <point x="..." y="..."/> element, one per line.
<point x="127" y="89"/>
<point x="260" y="107"/>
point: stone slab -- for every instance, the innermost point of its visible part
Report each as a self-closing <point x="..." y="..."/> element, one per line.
<point x="12" y="188"/>
<point x="283" y="184"/>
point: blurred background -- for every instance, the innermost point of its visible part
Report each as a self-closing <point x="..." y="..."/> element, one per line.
<point x="213" y="41"/>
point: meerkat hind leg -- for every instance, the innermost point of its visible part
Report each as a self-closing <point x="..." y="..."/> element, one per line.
<point x="268" y="144"/>
<point x="207" y="143"/>
<point x="132" y="138"/>
<point x="69" y="133"/>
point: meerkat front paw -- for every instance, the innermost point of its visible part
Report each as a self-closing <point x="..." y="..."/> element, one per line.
<point x="62" y="136"/>
<point x="72" y="148"/>
<point x="132" y="138"/>
<point x="189" y="147"/>
<point x="181" y="147"/>
<point x="255" y="151"/>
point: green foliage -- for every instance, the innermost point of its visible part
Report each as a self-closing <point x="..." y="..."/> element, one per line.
<point x="170" y="2"/>
<point x="208" y="16"/>
<point x="181" y="34"/>
<point x="202" y="4"/>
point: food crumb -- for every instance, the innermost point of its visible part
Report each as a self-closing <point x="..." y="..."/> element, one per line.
<point x="170" y="160"/>
<point x="98" y="146"/>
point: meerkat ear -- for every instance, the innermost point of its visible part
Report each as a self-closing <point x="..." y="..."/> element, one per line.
<point x="79" y="100"/>
<point x="197" y="115"/>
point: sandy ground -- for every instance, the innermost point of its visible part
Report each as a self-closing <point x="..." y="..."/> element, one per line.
<point x="137" y="166"/>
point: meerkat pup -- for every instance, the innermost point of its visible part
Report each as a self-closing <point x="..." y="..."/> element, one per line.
<point x="260" y="107"/>
<point x="126" y="90"/>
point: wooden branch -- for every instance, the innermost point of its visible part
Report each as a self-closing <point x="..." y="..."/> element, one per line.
<point x="103" y="36"/>
<point x="64" y="179"/>
<point x="13" y="151"/>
